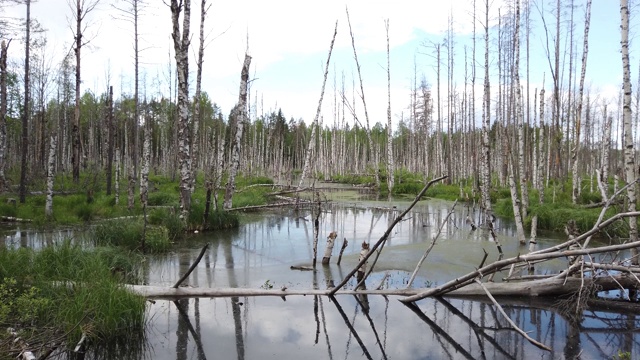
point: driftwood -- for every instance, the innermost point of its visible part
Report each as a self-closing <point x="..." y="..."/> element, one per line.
<point x="13" y="219"/>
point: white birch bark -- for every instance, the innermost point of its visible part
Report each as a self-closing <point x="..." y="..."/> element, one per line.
<point x="51" y="163"/>
<point x="181" y="47"/>
<point x="219" y="166"/>
<point x="146" y="159"/>
<point x="576" y="147"/>
<point x="390" y="166"/>
<point x="312" y="142"/>
<point x="539" y="173"/>
<point x="239" y="114"/>
<point x="331" y="239"/>
<point x="524" y="191"/>
<point x="629" y="154"/>
<point x="196" y="110"/>
<point x="606" y="146"/>
<point x="117" y="176"/>
<point x="515" y="202"/>
<point x="3" y="112"/>
<point x="486" y="123"/>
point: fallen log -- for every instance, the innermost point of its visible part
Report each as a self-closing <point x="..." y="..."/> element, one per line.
<point x="551" y="287"/>
<point x="13" y="219"/>
<point x="168" y="293"/>
<point x="281" y="204"/>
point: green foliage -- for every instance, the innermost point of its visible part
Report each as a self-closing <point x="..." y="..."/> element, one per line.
<point x="157" y="239"/>
<point x="21" y="302"/>
<point x="7" y="209"/>
<point x="222" y="220"/>
<point x="267" y="285"/>
<point x="127" y="233"/>
<point x="85" y="212"/>
<point x="444" y="191"/>
<point x="622" y="355"/>
<point x="120" y="232"/>
<point x="168" y="219"/>
<point x="71" y="290"/>
<point x="246" y="181"/>
<point x="354" y="179"/>
<point x="158" y="198"/>
<point x="252" y="196"/>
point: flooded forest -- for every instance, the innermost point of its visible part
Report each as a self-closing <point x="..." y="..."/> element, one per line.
<point x="490" y="216"/>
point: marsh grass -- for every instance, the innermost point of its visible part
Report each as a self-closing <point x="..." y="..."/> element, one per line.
<point x="127" y="233"/>
<point x="71" y="290"/>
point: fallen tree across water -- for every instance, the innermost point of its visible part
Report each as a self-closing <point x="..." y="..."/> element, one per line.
<point x="533" y="288"/>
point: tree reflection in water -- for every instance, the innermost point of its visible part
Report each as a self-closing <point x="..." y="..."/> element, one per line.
<point x="307" y="327"/>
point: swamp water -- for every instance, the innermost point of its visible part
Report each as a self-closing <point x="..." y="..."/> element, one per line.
<point x="260" y="253"/>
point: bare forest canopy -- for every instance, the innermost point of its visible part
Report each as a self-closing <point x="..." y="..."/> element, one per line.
<point x="489" y="129"/>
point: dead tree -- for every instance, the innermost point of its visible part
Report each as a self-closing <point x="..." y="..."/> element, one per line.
<point x="81" y="9"/>
<point x="4" y="46"/>
<point x="239" y="116"/>
<point x="310" y="148"/>
<point x="629" y="153"/>
<point x="26" y="109"/>
<point x="181" y="47"/>
<point x="578" y="118"/>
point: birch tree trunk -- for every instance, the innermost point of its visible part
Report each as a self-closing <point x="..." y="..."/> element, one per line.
<point x="390" y="167"/>
<point x="576" y="147"/>
<point x="219" y="166"/>
<point x="524" y="191"/>
<point x="486" y="122"/>
<point x="331" y="239"/>
<point x="310" y="148"/>
<point x="197" y="111"/>
<point x="110" y="139"/>
<point x="606" y="146"/>
<point x="26" y="109"/>
<point x="51" y="164"/>
<point x="538" y="180"/>
<point x="629" y="154"/>
<point x="239" y="113"/>
<point x="117" y="176"/>
<point x="146" y="159"/>
<point x="515" y="202"/>
<point x="181" y="47"/>
<point x="3" y="113"/>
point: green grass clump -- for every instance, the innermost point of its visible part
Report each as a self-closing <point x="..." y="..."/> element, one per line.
<point x="168" y="219"/>
<point x="8" y="209"/>
<point x="354" y="179"/>
<point x="157" y="239"/>
<point x="162" y="199"/>
<point x="443" y="191"/>
<point x="252" y="196"/>
<point x="127" y="233"/>
<point x="222" y="220"/>
<point x="407" y="188"/>
<point x="69" y="290"/>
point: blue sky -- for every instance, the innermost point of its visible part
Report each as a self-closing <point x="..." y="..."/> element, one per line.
<point x="289" y="41"/>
